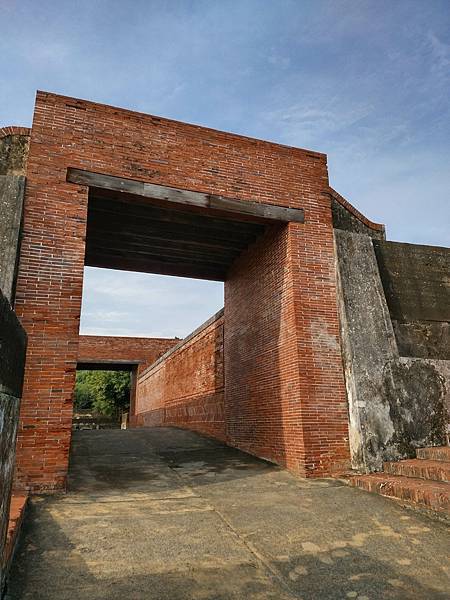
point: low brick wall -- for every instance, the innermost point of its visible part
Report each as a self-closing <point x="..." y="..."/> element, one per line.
<point x="12" y="361"/>
<point x="185" y="387"/>
<point x="97" y="349"/>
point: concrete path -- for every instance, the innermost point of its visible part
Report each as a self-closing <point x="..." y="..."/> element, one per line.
<point x="167" y="514"/>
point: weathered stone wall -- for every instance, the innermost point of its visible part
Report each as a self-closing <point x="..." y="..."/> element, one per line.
<point x="416" y="282"/>
<point x="12" y="190"/>
<point x="395" y="405"/>
<point x="14" y="143"/>
<point x="185" y="387"/>
<point x="12" y="361"/>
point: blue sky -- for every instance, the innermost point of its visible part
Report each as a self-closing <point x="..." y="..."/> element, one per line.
<point x="367" y="82"/>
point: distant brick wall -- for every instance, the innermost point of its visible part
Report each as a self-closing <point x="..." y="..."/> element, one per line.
<point x="186" y="388"/>
<point x="294" y="378"/>
<point x="110" y="349"/>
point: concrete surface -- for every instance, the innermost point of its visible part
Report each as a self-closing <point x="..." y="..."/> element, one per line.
<point x="167" y="514"/>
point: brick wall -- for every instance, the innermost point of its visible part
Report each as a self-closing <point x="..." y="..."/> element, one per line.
<point x="186" y="387"/>
<point x="300" y="363"/>
<point x="284" y="395"/>
<point x="110" y="349"/>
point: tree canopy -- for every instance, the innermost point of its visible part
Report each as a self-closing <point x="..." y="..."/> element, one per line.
<point x="103" y="392"/>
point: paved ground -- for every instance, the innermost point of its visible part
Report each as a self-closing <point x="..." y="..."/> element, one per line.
<point x="166" y="514"/>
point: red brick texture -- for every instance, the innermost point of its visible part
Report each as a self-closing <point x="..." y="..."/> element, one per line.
<point x="186" y="388"/>
<point x="110" y="349"/>
<point x="284" y="386"/>
<point x="284" y="396"/>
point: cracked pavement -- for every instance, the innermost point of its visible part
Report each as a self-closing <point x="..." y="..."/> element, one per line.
<point x="163" y="513"/>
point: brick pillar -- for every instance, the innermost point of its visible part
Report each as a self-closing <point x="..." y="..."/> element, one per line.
<point x="284" y="386"/>
<point x="48" y="303"/>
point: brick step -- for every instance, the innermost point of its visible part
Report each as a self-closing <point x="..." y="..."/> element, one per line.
<point x="432" y="495"/>
<point x="433" y="470"/>
<point x="434" y="453"/>
<point x="16" y="515"/>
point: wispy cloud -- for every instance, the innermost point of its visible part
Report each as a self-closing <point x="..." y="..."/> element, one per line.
<point x="367" y="82"/>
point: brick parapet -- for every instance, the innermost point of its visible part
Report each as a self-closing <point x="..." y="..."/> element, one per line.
<point x="14" y="130"/>
<point x="185" y="387"/>
<point x="355" y="212"/>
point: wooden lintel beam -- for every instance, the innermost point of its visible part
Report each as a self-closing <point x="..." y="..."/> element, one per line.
<point x="147" y="266"/>
<point x="256" y="210"/>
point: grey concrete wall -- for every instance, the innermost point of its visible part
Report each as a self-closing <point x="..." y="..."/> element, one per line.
<point x="442" y="368"/>
<point x="13" y="154"/>
<point x="395" y="406"/>
<point x="12" y="189"/>
<point x="416" y="282"/>
<point x="13" y="159"/>
<point x="12" y="362"/>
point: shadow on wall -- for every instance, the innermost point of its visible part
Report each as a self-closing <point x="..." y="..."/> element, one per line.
<point x="186" y="386"/>
<point x="260" y="338"/>
<point x="276" y="403"/>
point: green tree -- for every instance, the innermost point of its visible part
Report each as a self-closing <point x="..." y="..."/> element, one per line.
<point x="104" y="392"/>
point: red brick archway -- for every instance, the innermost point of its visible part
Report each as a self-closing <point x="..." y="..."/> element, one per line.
<point x="284" y="388"/>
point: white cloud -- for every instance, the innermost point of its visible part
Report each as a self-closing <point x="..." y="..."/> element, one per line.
<point x="124" y="303"/>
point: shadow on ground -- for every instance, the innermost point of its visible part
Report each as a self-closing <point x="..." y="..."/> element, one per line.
<point x="168" y="514"/>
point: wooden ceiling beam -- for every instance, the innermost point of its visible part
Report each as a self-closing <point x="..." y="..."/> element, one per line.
<point x="158" y="252"/>
<point x="147" y="266"/>
<point x="152" y="214"/>
<point x="118" y="225"/>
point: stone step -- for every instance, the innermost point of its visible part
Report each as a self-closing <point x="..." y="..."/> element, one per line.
<point x="432" y="495"/>
<point x="433" y="470"/>
<point x="434" y="453"/>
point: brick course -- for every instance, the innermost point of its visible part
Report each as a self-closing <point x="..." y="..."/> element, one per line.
<point x="108" y="349"/>
<point x="285" y="284"/>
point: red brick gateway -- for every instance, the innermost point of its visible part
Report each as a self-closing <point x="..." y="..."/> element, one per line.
<point x="113" y="188"/>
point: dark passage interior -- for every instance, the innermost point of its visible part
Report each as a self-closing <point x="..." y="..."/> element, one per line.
<point x="128" y="233"/>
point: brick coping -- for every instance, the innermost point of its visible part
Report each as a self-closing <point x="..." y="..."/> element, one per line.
<point x="81" y="103"/>
<point x="14" y="130"/>
<point x="355" y="212"/>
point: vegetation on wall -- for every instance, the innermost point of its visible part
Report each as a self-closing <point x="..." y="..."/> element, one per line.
<point x="103" y="392"/>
